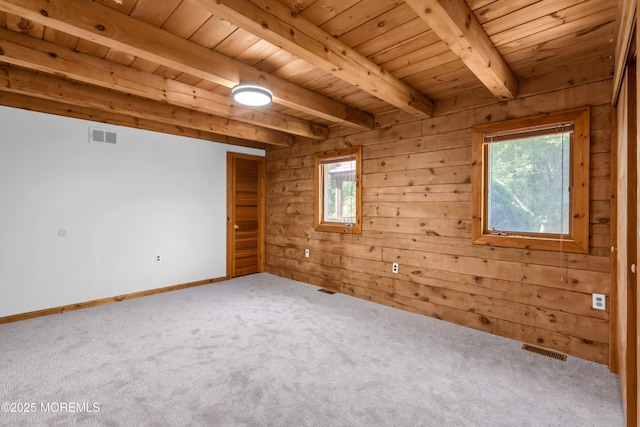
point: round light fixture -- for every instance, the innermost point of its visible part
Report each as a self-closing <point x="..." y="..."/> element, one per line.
<point x="251" y="95"/>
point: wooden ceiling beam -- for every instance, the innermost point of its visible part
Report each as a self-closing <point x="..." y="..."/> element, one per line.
<point x="40" y="105"/>
<point x="282" y="26"/>
<point x="97" y="23"/>
<point x="36" y="54"/>
<point x="454" y="22"/>
<point x="55" y="89"/>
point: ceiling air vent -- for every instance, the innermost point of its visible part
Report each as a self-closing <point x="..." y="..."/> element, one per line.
<point x="103" y="135"/>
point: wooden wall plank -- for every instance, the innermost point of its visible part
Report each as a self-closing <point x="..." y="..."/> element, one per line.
<point x="578" y="347"/>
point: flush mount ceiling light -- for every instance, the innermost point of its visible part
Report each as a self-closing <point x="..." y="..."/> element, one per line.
<point x="252" y="95"/>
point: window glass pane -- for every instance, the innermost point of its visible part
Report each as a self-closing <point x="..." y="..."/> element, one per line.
<point x="528" y="184"/>
<point x="339" y="191"/>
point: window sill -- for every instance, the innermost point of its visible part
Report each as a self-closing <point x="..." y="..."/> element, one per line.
<point x="339" y="228"/>
<point x="533" y="242"/>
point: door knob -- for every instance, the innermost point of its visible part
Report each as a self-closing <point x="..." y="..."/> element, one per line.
<point x="236" y="227"/>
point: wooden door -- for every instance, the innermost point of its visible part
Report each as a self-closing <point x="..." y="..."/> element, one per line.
<point x="245" y="214"/>
<point x="624" y="277"/>
<point x="632" y="399"/>
<point x="632" y="413"/>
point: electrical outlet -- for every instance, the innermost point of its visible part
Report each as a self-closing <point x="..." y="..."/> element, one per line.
<point x="599" y="302"/>
<point x="394" y="268"/>
<point x="306" y="253"/>
<point x="158" y="258"/>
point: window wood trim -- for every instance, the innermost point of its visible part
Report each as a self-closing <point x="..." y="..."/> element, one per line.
<point x="578" y="240"/>
<point x="320" y="158"/>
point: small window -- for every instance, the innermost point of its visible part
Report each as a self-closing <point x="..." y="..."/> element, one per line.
<point x="338" y="191"/>
<point x="531" y="182"/>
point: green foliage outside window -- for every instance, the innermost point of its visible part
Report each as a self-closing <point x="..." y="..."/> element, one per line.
<point x="340" y="192"/>
<point x="528" y="185"/>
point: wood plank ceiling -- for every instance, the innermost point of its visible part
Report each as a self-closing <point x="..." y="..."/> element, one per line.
<point x="170" y="65"/>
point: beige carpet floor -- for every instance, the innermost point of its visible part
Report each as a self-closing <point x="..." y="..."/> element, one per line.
<point x="266" y="351"/>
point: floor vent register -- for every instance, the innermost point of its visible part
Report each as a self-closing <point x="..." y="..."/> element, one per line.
<point x="545" y="352"/>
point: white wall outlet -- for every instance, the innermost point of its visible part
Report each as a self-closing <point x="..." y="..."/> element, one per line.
<point x="158" y="258"/>
<point x="306" y="253"/>
<point x="394" y="268"/>
<point x="599" y="302"/>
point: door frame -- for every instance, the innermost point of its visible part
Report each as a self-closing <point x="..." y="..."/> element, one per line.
<point x="231" y="156"/>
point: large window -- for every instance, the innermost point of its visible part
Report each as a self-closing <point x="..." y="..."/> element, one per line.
<point x="338" y="191"/>
<point x="531" y="182"/>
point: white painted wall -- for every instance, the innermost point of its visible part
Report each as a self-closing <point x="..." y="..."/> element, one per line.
<point x="118" y="204"/>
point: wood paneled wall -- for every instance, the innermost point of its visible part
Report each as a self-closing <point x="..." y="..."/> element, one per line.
<point x="417" y="212"/>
